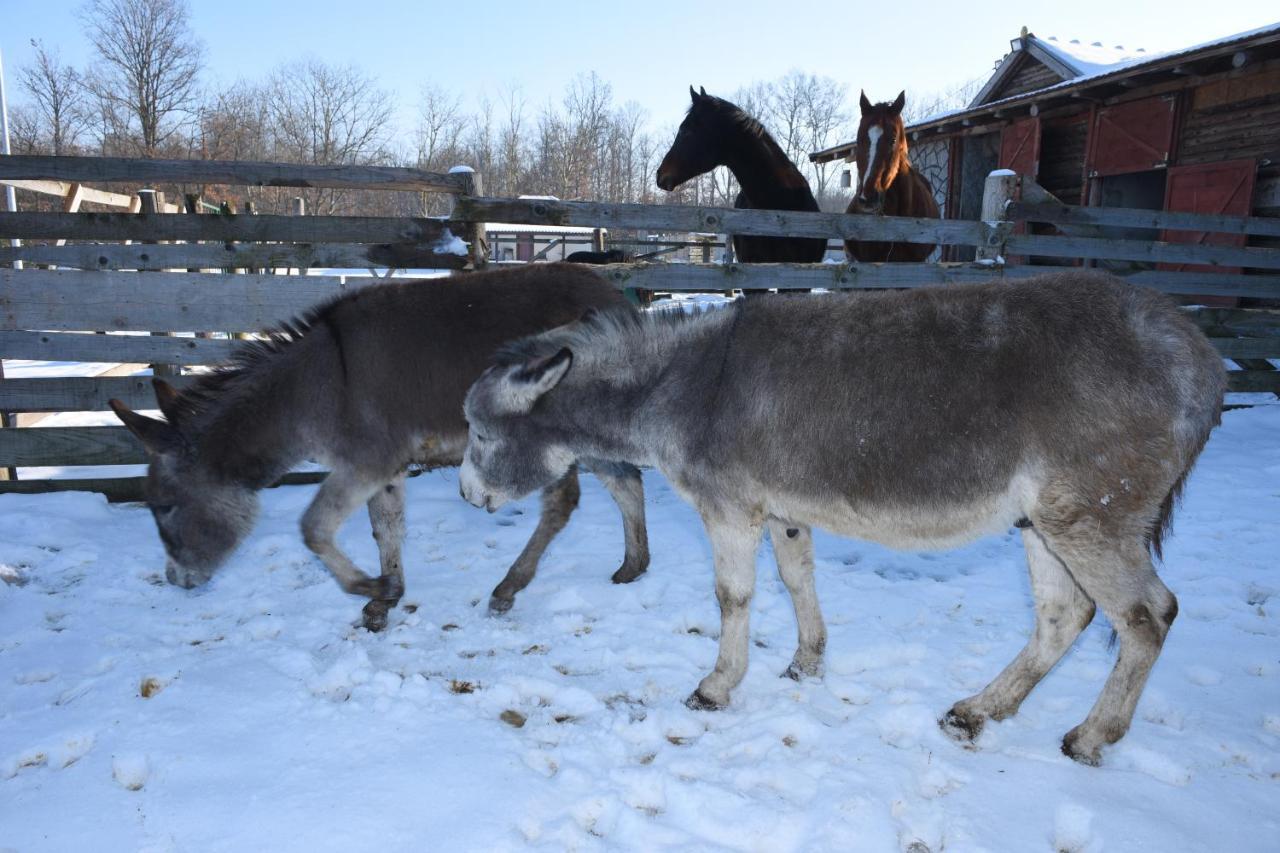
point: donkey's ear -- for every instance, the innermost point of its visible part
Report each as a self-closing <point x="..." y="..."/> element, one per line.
<point x="587" y="316"/>
<point x="156" y="436"/>
<point x="693" y="96"/>
<point x="166" y="399"/>
<point x="528" y="382"/>
<point x="900" y="102"/>
<point x="863" y="103"/>
<point x="702" y="90"/>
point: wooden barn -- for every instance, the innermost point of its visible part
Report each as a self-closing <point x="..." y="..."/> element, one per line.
<point x="1195" y="130"/>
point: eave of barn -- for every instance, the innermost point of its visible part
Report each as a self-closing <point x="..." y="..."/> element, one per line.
<point x="1165" y="73"/>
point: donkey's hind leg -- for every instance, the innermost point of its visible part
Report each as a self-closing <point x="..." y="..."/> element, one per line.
<point x="1062" y="612"/>
<point x="558" y="503"/>
<point x="624" y="484"/>
<point x="339" y="496"/>
<point x="1119" y="576"/>
<point x="793" y="549"/>
<point x="386" y="516"/>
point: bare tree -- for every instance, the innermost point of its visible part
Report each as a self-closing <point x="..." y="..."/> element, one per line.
<point x="330" y="115"/>
<point x="24" y="131"/>
<point x="150" y="61"/>
<point x="58" y="97"/>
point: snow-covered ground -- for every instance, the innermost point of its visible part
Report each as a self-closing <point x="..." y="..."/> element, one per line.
<point x="251" y="715"/>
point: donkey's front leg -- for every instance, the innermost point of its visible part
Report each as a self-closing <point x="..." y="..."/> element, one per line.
<point x="558" y="503"/>
<point x="627" y="488"/>
<point x="793" y="549"/>
<point x="339" y="495"/>
<point x="386" y="516"/>
<point x="734" y="542"/>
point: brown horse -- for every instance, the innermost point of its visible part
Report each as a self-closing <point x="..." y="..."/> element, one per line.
<point x="887" y="185"/>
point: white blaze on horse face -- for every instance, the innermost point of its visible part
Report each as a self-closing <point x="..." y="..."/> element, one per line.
<point x="873" y="146"/>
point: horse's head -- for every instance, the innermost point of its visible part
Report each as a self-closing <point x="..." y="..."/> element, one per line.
<point x="880" y="150"/>
<point x="200" y="516"/>
<point x="697" y="149"/>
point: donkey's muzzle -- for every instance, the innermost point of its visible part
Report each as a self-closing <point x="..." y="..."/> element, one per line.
<point x="184" y="577"/>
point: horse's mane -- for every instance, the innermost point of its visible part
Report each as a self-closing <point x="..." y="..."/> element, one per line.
<point x="249" y="357"/>
<point x="743" y="121"/>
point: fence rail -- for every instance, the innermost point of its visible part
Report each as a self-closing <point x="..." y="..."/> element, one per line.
<point x="61" y="314"/>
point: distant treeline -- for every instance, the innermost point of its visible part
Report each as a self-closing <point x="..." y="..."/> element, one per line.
<point x="145" y="94"/>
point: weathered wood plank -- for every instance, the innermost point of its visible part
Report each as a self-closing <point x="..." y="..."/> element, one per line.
<point x="62" y="188"/>
<point x="720" y="277"/>
<point x="226" y="227"/>
<point x="1066" y="214"/>
<point x="1248" y="347"/>
<point x="48" y="446"/>
<point x="1254" y="380"/>
<point x="231" y="172"/>
<point x="720" y="219"/>
<point x="80" y="393"/>
<point x="237" y="256"/>
<point x="1230" y="322"/>
<point x="64" y="300"/>
<point x="119" y="489"/>
<point x="1141" y="250"/>
<point x="140" y="349"/>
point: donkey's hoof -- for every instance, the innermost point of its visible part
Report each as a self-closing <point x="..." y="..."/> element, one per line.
<point x="800" y="671"/>
<point x="375" y="615"/>
<point x="627" y="574"/>
<point x="962" y="725"/>
<point x="499" y="606"/>
<point x="698" y="702"/>
<point x="1074" y="747"/>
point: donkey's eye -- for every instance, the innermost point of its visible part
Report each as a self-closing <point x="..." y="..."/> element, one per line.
<point x="162" y="509"/>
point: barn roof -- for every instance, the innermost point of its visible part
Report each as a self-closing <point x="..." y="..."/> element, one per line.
<point x="1090" y="71"/>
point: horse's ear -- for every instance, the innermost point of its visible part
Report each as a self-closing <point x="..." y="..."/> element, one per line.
<point x="166" y="399"/>
<point x="900" y="102"/>
<point x="156" y="436"/>
<point x="863" y="103"/>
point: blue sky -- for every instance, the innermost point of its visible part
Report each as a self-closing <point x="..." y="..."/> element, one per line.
<point x="648" y="51"/>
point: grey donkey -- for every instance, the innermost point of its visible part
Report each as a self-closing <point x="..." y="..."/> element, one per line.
<point x="1072" y="406"/>
<point x="367" y="384"/>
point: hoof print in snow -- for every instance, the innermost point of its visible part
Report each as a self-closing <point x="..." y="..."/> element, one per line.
<point x="150" y="686"/>
<point x="130" y="771"/>
<point x="513" y="718"/>
<point x="461" y="687"/>
<point x="698" y="702"/>
<point x="535" y="649"/>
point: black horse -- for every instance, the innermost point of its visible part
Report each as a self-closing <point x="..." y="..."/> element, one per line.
<point x="717" y="133"/>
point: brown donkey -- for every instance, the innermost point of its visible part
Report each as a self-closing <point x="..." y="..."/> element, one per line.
<point x="367" y="385"/>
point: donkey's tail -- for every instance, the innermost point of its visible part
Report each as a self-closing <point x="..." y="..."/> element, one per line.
<point x="1164" y="520"/>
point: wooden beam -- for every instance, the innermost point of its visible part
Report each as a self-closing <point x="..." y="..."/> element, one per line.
<point x="1142" y="250"/>
<point x="65" y="300"/>
<point x="80" y="393"/>
<point x="118" y="489"/>
<point x="136" y="349"/>
<point x="219" y="227"/>
<point x="237" y="256"/>
<point x="48" y="446"/>
<point x="837" y="226"/>
<point x="231" y="172"/>
<point x="61" y="188"/>
<point x="712" y="278"/>
<point x="1066" y="214"/>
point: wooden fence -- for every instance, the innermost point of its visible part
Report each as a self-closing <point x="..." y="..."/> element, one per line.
<point x="59" y="311"/>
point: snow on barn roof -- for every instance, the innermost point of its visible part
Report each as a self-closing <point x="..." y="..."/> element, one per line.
<point x="1079" y="66"/>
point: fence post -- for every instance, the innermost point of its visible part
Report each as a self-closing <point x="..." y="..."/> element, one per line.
<point x="152" y="202"/>
<point x="597" y="240"/>
<point x="478" y="249"/>
<point x="1000" y="188"/>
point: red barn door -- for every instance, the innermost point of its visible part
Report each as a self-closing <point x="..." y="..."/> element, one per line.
<point x="1224" y="188"/>
<point x="1132" y="137"/>
<point x="1020" y="147"/>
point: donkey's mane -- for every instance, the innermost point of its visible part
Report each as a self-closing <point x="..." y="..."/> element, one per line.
<point x="611" y="334"/>
<point x="250" y="357"/>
